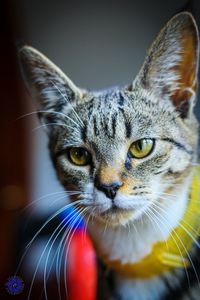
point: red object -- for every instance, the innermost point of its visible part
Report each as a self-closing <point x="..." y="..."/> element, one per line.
<point x="81" y="268"/>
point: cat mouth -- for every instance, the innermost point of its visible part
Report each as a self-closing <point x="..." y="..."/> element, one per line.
<point x="116" y="215"/>
<point x="114" y="209"/>
<point x="120" y="215"/>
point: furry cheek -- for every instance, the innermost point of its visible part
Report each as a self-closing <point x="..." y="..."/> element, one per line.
<point x="127" y="185"/>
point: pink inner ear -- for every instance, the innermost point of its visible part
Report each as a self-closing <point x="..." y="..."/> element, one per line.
<point x="187" y="69"/>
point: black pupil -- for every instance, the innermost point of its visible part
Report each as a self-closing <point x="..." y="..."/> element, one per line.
<point x="140" y="145"/>
<point x="80" y="153"/>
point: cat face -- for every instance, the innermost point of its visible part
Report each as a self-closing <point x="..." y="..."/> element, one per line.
<point x="123" y="149"/>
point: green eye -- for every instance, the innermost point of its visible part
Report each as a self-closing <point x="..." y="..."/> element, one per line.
<point x="141" y="148"/>
<point x="79" y="156"/>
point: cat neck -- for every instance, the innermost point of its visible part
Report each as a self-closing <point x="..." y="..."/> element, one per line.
<point x="130" y="244"/>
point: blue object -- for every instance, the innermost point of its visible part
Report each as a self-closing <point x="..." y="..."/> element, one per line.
<point x="14" y="285"/>
<point x="72" y="218"/>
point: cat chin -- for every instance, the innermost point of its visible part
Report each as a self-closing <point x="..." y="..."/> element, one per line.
<point x="120" y="217"/>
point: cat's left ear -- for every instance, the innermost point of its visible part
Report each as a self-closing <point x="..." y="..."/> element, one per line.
<point x="47" y="84"/>
<point x="171" y="65"/>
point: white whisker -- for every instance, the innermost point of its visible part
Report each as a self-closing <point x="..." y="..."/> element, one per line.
<point x="53" y="124"/>
<point x="41" y="228"/>
<point x="68" y="245"/>
<point x="72" y="217"/>
<point x="66" y="98"/>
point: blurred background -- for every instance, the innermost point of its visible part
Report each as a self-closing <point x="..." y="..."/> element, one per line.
<point x="97" y="44"/>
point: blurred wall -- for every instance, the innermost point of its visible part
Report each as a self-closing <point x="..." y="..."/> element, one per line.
<point x="96" y="43"/>
<point x="14" y="150"/>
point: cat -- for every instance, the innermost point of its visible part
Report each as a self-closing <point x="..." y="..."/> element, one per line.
<point x="131" y="155"/>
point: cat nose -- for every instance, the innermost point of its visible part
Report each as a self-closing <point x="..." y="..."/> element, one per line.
<point x="111" y="189"/>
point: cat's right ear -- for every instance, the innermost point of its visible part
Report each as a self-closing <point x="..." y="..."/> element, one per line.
<point x="171" y="65"/>
<point x="47" y="84"/>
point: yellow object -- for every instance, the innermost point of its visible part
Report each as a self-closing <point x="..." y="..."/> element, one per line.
<point x="173" y="252"/>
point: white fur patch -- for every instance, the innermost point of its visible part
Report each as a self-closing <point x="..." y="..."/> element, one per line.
<point x="132" y="242"/>
<point x="150" y="289"/>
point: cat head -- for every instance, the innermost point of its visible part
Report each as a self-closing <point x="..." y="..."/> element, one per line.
<point x="123" y="149"/>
